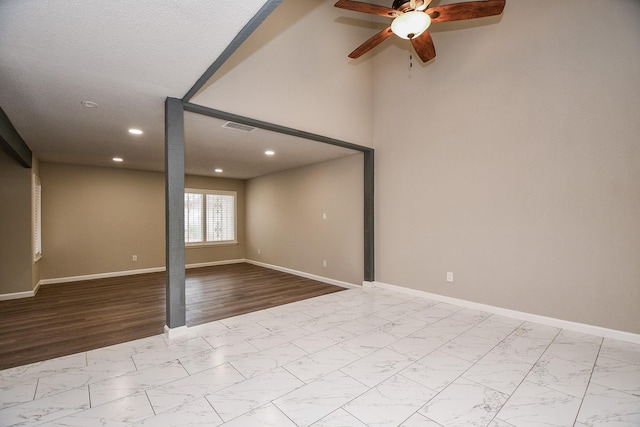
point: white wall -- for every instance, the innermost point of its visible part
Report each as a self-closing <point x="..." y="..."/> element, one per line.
<point x="517" y="162"/>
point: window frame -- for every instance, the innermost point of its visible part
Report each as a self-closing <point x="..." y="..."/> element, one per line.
<point x="36" y="217"/>
<point x="204" y="193"/>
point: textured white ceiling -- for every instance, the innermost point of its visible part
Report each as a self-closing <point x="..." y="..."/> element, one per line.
<point x="127" y="56"/>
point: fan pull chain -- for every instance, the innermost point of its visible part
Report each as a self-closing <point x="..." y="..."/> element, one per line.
<point x="410" y="63"/>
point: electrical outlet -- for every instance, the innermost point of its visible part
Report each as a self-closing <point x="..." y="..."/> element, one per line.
<point x="324" y="263"/>
<point x="449" y="276"/>
<point x="134" y="258"/>
<point x="324" y="215"/>
<point x="259" y="251"/>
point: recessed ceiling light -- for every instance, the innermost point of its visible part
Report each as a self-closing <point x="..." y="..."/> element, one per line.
<point x="89" y="104"/>
<point x="218" y="170"/>
<point x="135" y="131"/>
<point x="117" y="159"/>
<point x="269" y="152"/>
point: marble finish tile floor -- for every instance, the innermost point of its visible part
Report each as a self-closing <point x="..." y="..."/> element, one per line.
<point x="360" y="357"/>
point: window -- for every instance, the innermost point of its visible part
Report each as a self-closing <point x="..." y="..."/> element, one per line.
<point x="209" y="217"/>
<point x="37" y="218"/>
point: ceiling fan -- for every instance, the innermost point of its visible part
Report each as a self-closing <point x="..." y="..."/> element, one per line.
<point x="411" y="20"/>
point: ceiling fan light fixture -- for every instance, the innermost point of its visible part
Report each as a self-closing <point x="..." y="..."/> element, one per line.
<point x="410" y="24"/>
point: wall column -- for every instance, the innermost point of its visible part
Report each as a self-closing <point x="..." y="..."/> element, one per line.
<point x="174" y="217"/>
<point x="369" y="224"/>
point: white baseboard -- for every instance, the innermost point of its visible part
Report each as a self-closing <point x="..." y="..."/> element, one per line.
<point x="100" y="275"/>
<point x="131" y="272"/>
<point x="175" y="333"/>
<point x="529" y="317"/>
<point x="303" y="274"/>
<point x="212" y="263"/>
<point x="18" y="295"/>
<point x="52" y="281"/>
<point x="27" y="294"/>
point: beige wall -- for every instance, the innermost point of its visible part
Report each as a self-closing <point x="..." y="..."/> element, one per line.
<point x="16" y="260"/>
<point x="290" y="73"/>
<point x="518" y="167"/>
<point x="284" y="219"/>
<point x="95" y="219"/>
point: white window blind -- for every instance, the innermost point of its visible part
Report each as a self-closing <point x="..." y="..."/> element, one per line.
<point x="37" y="218"/>
<point x="221" y="213"/>
<point x="193" y="218"/>
<point x="209" y="217"/>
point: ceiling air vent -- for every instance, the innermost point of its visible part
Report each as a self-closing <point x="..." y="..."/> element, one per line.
<point x="238" y="126"/>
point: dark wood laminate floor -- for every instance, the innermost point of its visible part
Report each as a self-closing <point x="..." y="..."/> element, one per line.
<point x="68" y="318"/>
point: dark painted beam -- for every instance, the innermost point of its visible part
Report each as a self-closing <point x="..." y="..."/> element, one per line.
<point x="12" y="142"/>
<point x="222" y="115"/>
<point x="251" y="26"/>
<point x="174" y="212"/>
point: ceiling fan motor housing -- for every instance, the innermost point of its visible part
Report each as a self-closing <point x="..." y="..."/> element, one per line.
<point x="401" y="5"/>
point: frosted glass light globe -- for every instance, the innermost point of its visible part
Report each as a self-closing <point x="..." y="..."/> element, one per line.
<point x="410" y="24"/>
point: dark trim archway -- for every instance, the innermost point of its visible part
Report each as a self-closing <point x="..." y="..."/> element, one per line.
<point x="368" y="207"/>
<point x="174" y="174"/>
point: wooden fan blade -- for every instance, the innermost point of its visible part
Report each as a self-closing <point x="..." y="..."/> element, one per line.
<point x="373" y="9"/>
<point x="423" y="44"/>
<point x="467" y="10"/>
<point x="371" y="43"/>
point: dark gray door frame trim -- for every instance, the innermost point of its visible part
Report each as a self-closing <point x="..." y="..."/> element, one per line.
<point x="369" y="223"/>
<point x="223" y="115"/>
<point x="174" y="166"/>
